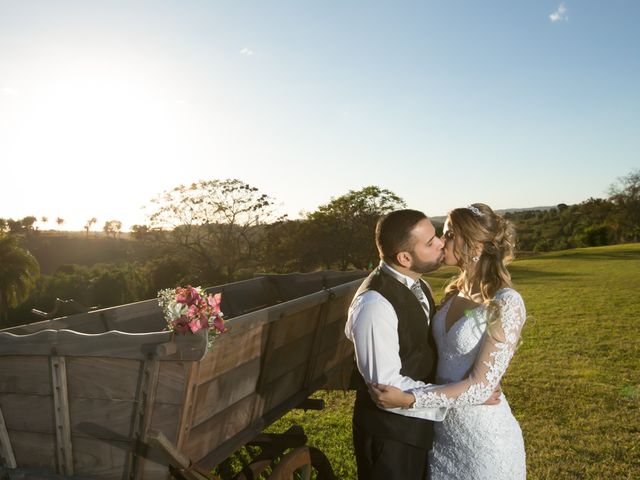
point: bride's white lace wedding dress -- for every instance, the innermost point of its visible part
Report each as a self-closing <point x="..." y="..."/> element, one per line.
<point x="475" y="441"/>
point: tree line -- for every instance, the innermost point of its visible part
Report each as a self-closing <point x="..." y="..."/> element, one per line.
<point x="218" y="231"/>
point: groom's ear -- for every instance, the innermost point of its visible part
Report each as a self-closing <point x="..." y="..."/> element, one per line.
<point x="404" y="259"/>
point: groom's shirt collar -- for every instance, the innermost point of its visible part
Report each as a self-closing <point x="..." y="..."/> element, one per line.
<point x="401" y="277"/>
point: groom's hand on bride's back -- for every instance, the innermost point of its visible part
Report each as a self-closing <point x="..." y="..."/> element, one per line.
<point x="494" y="399"/>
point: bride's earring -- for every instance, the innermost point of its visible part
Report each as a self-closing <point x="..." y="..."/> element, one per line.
<point x="475" y="259"/>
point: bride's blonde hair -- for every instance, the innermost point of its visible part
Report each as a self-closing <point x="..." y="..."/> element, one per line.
<point x="481" y="230"/>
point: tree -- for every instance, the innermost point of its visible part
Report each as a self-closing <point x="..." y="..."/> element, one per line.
<point x="89" y="223"/>
<point x="112" y="227"/>
<point x="140" y="232"/>
<point x="15" y="226"/>
<point x="625" y="194"/>
<point x="342" y="231"/>
<point x="19" y="271"/>
<point x="28" y="222"/>
<point x="214" y="223"/>
<point x="59" y="221"/>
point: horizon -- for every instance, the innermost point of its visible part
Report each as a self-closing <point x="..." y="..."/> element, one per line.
<point x="98" y="230"/>
<point x="103" y="106"/>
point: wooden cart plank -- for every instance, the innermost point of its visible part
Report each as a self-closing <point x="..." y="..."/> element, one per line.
<point x="36" y="450"/>
<point x="72" y="343"/>
<point x="225" y="390"/>
<point x="292" y="327"/>
<point x="282" y="360"/>
<point x="231" y="350"/>
<point x="219" y="428"/>
<point x="172" y="382"/>
<point x="102" y="377"/>
<point x="25" y="374"/>
<point x="103" y="459"/>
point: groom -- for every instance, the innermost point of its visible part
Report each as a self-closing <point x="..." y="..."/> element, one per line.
<point x="389" y="325"/>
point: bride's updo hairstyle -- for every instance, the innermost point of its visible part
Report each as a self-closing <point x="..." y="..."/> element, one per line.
<point x="484" y="244"/>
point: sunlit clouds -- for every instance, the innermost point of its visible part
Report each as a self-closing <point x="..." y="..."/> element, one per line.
<point x="560" y="15"/>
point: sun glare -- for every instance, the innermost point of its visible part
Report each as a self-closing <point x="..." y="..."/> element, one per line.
<point x="94" y="132"/>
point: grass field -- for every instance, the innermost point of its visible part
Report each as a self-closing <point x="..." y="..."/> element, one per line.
<point x="574" y="384"/>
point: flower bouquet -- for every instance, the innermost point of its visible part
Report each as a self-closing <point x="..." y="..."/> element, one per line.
<point x="189" y="310"/>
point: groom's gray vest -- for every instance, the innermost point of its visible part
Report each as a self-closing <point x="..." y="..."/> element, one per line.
<point x="417" y="354"/>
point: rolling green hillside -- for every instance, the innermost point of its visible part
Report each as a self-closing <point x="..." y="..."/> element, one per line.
<point x="573" y="385"/>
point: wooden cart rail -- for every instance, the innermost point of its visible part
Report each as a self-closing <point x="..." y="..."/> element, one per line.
<point x="80" y="395"/>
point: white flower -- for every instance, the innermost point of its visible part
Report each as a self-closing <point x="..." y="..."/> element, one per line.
<point x="176" y="310"/>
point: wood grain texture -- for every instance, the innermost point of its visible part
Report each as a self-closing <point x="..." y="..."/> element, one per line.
<point x="280" y="361"/>
<point x="165" y="418"/>
<point x="34" y="450"/>
<point x="283" y="387"/>
<point x="64" y="450"/>
<point x="101" y="418"/>
<point x="294" y="326"/>
<point x="40" y="418"/>
<point x="172" y="381"/>
<point x="102" y="459"/>
<point x="205" y="437"/>
<point x="231" y="350"/>
<point x="102" y="377"/>
<point x="225" y="390"/>
<point x="25" y="374"/>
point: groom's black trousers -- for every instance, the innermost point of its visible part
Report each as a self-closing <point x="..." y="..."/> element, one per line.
<point x="385" y="459"/>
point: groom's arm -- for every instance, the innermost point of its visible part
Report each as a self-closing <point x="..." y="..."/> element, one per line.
<point x="372" y="326"/>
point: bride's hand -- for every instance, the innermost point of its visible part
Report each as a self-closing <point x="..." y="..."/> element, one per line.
<point x="386" y="396"/>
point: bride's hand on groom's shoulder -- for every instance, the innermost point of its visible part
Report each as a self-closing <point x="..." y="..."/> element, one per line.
<point x="386" y="396"/>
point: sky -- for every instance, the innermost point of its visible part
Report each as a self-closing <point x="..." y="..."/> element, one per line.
<point x="106" y="104"/>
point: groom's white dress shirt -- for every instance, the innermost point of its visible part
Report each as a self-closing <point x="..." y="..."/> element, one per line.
<point x="372" y="326"/>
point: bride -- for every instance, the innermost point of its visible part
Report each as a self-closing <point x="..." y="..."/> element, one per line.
<point x="476" y="329"/>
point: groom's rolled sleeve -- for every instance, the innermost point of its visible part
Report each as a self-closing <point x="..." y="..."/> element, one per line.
<point x="372" y="326"/>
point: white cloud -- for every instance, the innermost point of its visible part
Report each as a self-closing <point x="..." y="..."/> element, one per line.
<point x="8" y="91"/>
<point x="560" y="15"/>
<point x="246" y="52"/>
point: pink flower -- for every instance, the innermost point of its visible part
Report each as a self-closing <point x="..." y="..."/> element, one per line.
<point x="204" y="320"/>
<point x="194" y="325"/>
<point x="181" y="324"/>
<point x="214" y="303"/>
<point x="193" y="312"/>
<point x="218" y="322"/>
<point x="187" y="295"/>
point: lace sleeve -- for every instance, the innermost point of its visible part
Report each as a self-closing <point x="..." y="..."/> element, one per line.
<point x="496" y="350"/>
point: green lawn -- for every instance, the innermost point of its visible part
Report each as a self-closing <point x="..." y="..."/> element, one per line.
<point x="574" y="384"/>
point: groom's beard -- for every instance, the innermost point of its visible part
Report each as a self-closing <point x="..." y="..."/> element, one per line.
<point x="418" y="266"/>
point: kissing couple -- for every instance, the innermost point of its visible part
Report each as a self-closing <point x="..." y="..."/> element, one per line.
<point x="428" y="398"/>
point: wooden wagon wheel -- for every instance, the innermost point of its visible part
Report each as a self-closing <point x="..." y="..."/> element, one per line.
<point x="300" y="462"/>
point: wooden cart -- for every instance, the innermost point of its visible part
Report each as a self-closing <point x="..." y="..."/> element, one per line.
<point x="109" y="395"/>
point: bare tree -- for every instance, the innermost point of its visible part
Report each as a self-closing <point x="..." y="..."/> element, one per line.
<point x="89" y="223"/>
<point x="216" y="222"/>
